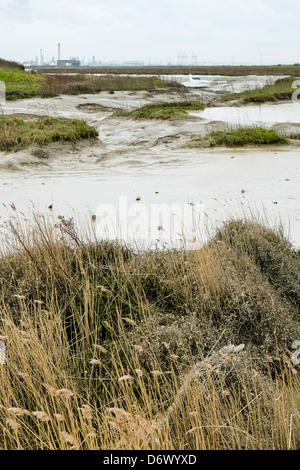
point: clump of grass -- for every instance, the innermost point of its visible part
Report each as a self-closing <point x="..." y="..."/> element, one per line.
<point x="163" y="111"/>
<point x="281" y="91"/>
<point x="17" y="134"/>
<point x="239" y="137"/>
<point x="112" y="349"/>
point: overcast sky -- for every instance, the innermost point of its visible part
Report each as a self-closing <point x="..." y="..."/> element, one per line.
<point x="219" y="31"/>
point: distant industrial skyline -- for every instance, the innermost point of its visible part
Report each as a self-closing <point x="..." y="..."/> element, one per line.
<point x="158" y="32"/>
<point x="182" y="58"/>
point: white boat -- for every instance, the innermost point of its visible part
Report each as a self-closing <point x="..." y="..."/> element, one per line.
<point x="195" y="81"/>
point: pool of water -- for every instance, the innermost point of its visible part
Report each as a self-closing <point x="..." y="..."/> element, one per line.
<point x="266" y="114"/>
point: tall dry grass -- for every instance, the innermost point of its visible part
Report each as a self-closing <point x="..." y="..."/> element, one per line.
<point x="58" y="84"/>
<point x="21" y="84"/>
<point x="112" y="349"/>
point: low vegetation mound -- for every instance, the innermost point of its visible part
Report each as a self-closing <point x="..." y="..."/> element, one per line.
<point x="239" y="137"/>
<point x="16" y="134"/>
<point x="163" y="111"/>
<point x="107" y="348"/>
<point x="8" y="64"/>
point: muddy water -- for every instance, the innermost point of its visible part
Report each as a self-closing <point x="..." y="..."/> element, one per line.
<point x="137" y="166"/>
<point x="266" y="114"/>
<point x="219" y="186"/>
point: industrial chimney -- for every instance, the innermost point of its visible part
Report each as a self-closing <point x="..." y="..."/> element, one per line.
<point x="58" y="52"/>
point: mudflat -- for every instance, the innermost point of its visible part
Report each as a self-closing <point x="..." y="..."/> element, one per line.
<point x="150" y="159"/>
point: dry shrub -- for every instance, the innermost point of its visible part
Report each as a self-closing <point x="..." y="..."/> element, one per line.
<point x="223" y="285"/>
<point x="269" y="250"/>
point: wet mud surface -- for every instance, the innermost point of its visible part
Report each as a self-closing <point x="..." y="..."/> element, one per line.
<point x="147" y="160"/>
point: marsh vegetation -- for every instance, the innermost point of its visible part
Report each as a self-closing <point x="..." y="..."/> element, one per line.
<point x="223" y="70"/>
<point x="21" y="84"/>
<point x="17" y="134"/>
<point x="102" y="342"/>
<point x="239" y="137"/>
<point x="10" y="65"/>
<point x="163" y="111"/>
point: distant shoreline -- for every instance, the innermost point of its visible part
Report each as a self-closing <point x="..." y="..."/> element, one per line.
<point x="231" y="70"/>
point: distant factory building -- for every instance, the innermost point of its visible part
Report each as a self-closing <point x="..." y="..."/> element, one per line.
<point x="72" y="62"/>
<point x="68" y="63"/>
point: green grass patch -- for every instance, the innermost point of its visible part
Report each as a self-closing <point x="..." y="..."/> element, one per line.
<point x="20" y="84"/>
<point x="240" y="137"/>
<point x="163" y="111"/>
<point x="17" y="134"/>
<point x="281" y="91"/>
